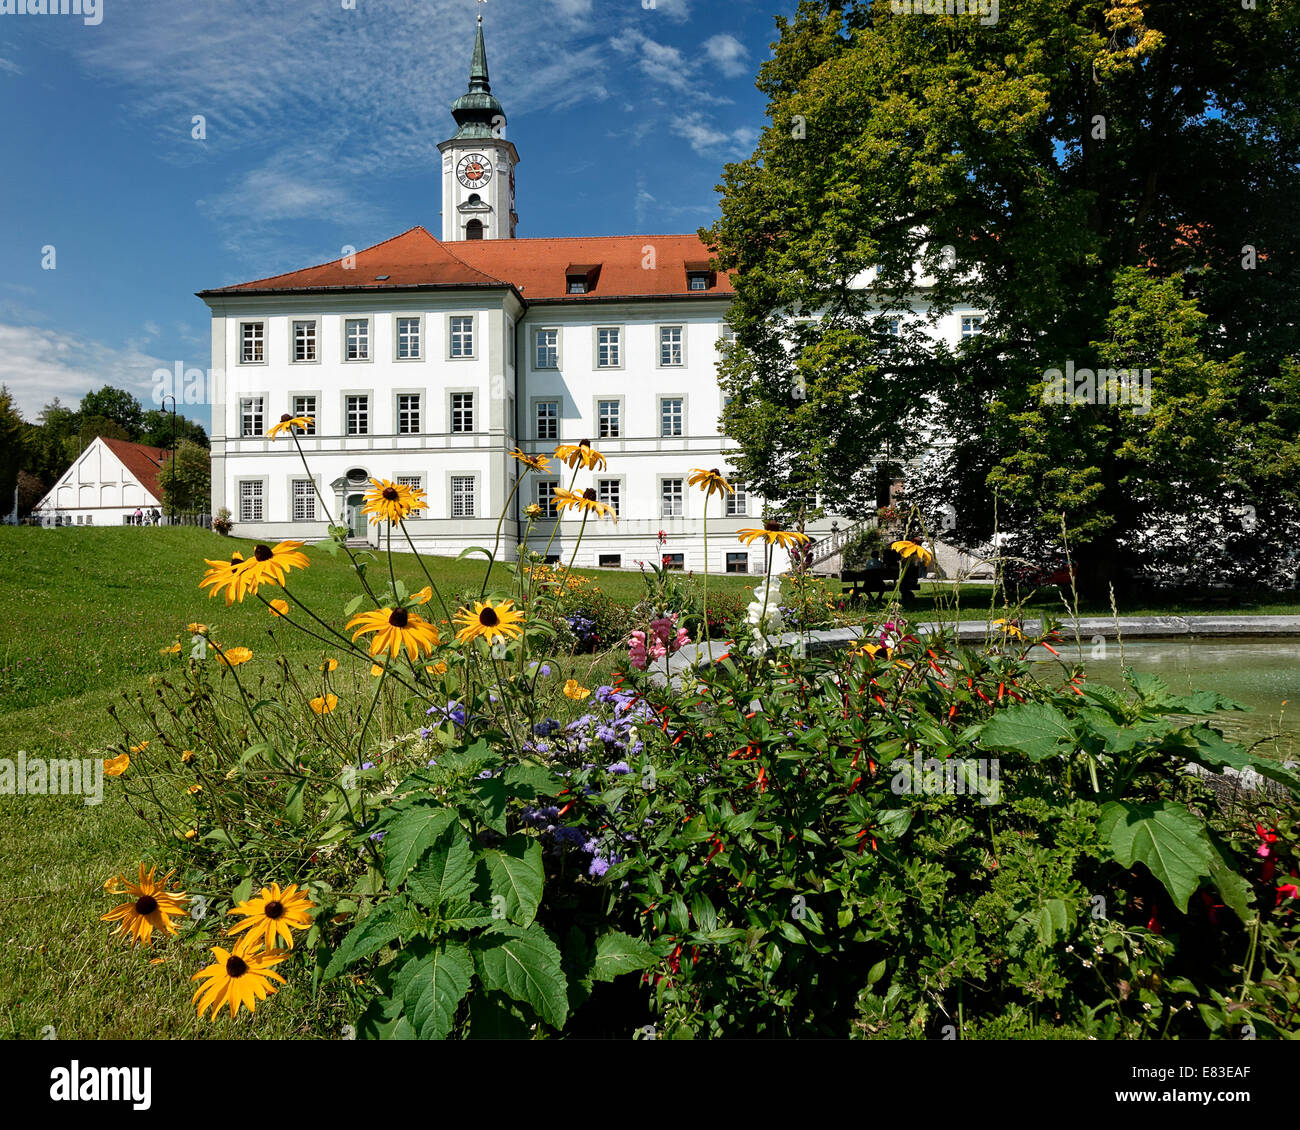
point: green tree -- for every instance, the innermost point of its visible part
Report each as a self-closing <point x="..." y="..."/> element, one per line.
<point x="156" y="429"/>
<point x="1029" y="167"/>
<point x="187" y="481"/>
<point x="117" y="405"/>
<point x="13" y="444"/>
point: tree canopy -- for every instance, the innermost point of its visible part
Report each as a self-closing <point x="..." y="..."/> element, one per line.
<point x="1110" y="185"/>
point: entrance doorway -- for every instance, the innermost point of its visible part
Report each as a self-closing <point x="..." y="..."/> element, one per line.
<point x="356" y="519"/>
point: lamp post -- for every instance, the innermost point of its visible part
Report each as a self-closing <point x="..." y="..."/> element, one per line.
<point x="172" y="504"/>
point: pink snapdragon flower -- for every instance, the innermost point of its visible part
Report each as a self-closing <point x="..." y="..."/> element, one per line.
<point x="664" y="638"/>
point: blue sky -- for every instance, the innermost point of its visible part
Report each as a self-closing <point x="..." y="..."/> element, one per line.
<point x="322" y="124"/>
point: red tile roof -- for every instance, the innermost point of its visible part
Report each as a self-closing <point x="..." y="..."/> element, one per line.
<point x="142" y="461"/>
<point x="630" y="266"/>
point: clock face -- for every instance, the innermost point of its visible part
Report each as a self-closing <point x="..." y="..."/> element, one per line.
<point x="474" y="170"/>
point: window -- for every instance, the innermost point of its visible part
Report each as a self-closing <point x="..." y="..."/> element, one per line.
<point x="548" y="419"/>
<point x="306" y="406"/>
<point x="356" y="337"/>
<point x="609" y="351"/>
<point x="474" y="229"/>
<point x="674" y="561"/>
<point x="412" y="482"/>
<point x="737" y="562"/>
<point x="670" y="416"/>
<point x="971" y="325"/>
<point x="462" y="337"/>
<point x="304" y="501"/>
<point x="577" y="284"/>
<point x="252" y="420"/>
<point x="548" y="349"/>
<point x="670" y="345"/>
<point x="697" y="280"/>
<point x="304" y="341"/>
<point x="408" y="413"/>
<point x="253" y="338"/>
<point x="462" y="411"/>
<point x="609" y="561"/>
<point x="608" y="413"/>
<point x="672" y="498"/>
<point x="738" y="502"/>
<point x="608" y="491"/>
<point x="250" y="500"/>
<point x="408" y="339"/>
<point x="358" y="415"/>
<point x="546" y="497"/>
<point x="462" y="496"/>
<point x="895" y="327"/>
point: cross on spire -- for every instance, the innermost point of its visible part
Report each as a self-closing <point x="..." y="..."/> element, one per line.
<point x="480" y="10"/>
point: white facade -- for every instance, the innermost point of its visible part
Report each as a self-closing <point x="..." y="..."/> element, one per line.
<point x="99" y="489"/>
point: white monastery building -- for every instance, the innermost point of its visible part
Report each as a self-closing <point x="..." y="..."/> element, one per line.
<point x="426" y="361"/>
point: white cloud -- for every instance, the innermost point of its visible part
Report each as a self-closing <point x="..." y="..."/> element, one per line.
<point x="11" y="68"/>
<point x="664" y="64"/>
<point x="677" y="10"/>
<point x="573" y="9"/>
<point x="729" y="54"/>
<point x="38" y="364"/>
<point x="707" y="139"/>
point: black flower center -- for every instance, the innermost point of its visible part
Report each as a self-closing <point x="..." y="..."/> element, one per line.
<point x="146" y="904"/>
<point x="589" y="494"/>
<point x="585" y="443"/>
<point x="285" y="418"/>
<point x="237" y="561"/>
<point x="398" y="618"/>
<point x="390" y="493"/>
<point x="236" y="966"/>
<point x="488" y="618"/>
<point x="771" y="524"/>
<point x="715" y="471"/>
<point x="263" y="553"/>
<point x="274" y="909"/>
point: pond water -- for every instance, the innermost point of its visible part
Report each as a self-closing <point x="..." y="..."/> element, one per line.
<point x="1260" y="673"/>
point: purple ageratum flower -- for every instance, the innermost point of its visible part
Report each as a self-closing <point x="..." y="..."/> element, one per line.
<point x="486" y="774"/>
<point x="378" y="837"/>
<point x="545" y="671"/>
<point x="367" y="765"/>
<point x="605" y="694"/>
<point x="598" y="867"/>
<point x="424" y="733"/>
<point x="546" y="728"/>
<point x="433" y="763"/>
<point x="620" y="768"/>
<point x="607" y="734"/>
<point x="452" y="712"/>
<point x="566" y="834"/>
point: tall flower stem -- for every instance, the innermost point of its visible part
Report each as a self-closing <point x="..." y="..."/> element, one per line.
<point x="708" y="639"/>
<point x="425" y="570"/>
<point x="558" y="516"/>
<point x="496" y="544"/>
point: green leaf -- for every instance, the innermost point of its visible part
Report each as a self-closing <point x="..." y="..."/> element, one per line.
<point x="410" y="835"/>
<point x="524" y="964"/>
<point x="618" y="953"/>
<point x="432" y="986"/>
<point x="391" y="920"/>
<point x="445" y="873"/>
<point x="352" y="605"/>
<point x="531" y="781"/>
<point x="1032" y="728"/>
<point x="1212" y="751"/>
<point x="472" y="549"/>
<point x="492" y="803"/>
<point x="515" y="874"/>
<point x="1164" y="836"/>
<point x="1051" y="921"/>
<point x="293" y="803"/>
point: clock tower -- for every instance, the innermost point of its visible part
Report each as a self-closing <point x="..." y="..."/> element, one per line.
<point x="478" y="163"/>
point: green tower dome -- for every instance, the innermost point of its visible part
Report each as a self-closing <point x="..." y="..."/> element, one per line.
<point x="477" y="112"/>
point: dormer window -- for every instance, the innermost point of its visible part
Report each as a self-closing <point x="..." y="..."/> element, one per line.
<point x="580" y="278"/>
<point x="699" y="276"/>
